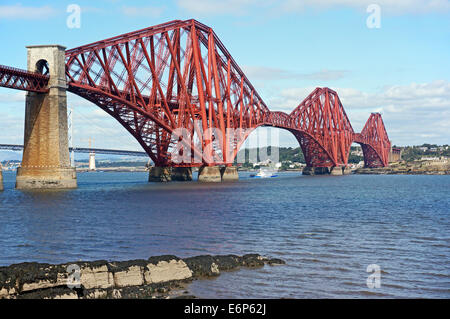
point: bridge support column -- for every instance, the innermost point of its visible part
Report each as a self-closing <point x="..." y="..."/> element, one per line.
<point x="336" y="170"/>
<point x="46" y="162"/>
<point x="308" y="170"/>
<point x="160" y="174"/>
<point x="182" y="174"/>
<point x="346" y="170"/>
<point x="209" y="174"/>
<point x="229" y="173"/>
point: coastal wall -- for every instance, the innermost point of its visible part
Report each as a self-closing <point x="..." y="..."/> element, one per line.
<point x="156" y="277"/>
<point x="409" y="168"/>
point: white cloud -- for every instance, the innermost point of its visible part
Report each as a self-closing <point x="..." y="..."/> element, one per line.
<point x="211" y="7"/>
<point x="98" y="126"/>
<point x="13" y="97"/>
<point x="388" y="6"/>
<point x="151" y="12"/>
<point x="12" y="128"/>
<point x="20" y="12"/>
<point x="431" y="96"/>
<point x="87" y="9"/>
<point x="89" y="121"/>
<point x="266" y="73"/>
<point x="414" y="113"/>
<point x="415" y="96"/>
<point x="241" y="7"/>
<point x="326" y="75"/>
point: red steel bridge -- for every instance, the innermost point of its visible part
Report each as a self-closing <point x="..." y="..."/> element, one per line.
<point x="179" y="75"/>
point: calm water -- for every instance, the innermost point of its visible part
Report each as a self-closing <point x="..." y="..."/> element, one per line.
<point x="328" y="229"/>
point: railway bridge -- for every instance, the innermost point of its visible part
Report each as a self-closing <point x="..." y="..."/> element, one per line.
<point x="179" y="92"/>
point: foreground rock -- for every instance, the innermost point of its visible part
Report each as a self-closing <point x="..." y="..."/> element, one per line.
<point x="156" y="277"/>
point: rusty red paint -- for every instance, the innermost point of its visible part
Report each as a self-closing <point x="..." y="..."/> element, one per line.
<point x="180" y="75"/>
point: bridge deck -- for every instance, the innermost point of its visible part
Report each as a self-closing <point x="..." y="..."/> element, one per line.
<point x="17" y="147"/>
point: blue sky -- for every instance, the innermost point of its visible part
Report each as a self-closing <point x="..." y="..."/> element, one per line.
<point x="286" y="48"/>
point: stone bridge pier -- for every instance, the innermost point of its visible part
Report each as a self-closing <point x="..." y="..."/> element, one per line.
<point x="45" y="162"/>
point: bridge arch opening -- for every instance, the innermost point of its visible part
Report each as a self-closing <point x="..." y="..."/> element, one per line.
<point x="372" y="158"/>
<point x="269" y="145"/>
<point x="313" y="154"/>
<point x="42" y="67"/>
<point x="92" y="124"/>
<point x="356" y="155"/>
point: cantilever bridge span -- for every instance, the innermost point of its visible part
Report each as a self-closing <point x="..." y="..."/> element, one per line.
<point x="179" y="75"/>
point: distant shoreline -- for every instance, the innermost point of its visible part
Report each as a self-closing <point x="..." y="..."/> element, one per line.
<point x="392" y="171"/>
<point x="408" y="168"/>
<point x="358" y="171"/>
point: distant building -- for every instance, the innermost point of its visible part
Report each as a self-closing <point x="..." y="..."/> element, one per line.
<point x="430" y="158"/>
<point x="92" y="161"/>
<point x="395" y="154"/>
<point x="435" y="161"/>
<point x="357" y="152"/>
<point x="267" y="162"/>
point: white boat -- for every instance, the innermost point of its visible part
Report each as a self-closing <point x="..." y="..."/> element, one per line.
<point x="265" y="173"/>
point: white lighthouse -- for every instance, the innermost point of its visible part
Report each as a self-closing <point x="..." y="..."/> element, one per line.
<point x="91" y="158"/>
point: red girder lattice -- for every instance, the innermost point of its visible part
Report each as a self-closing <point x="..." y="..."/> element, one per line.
<point x="23" y="80"/>
<point x="374" y="142"/>
<point x="178" y="75"/>
<point x="171" y="76"/>
<point x="323" y="129"/>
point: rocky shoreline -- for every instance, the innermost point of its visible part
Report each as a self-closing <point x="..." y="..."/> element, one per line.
<point x="419" y="167"/>
<point x="400" y="171"/>
<point x="157" y="277"/>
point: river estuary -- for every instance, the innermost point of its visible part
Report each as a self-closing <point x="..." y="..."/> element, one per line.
<point x="328" y="229"/>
